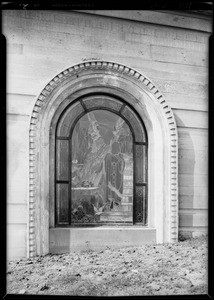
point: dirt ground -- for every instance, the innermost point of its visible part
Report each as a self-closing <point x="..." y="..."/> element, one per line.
<point x="169" y="269"/>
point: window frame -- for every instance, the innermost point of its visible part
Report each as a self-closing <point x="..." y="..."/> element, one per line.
<point x="135" y="143"/>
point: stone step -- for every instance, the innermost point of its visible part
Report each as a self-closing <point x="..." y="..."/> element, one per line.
<point x="127" y="207"/>
<point x="127" y="190"/>
<point x="128" y="174"/>
<point x="127" y="199"/>
<point x="127" y="177"/>
<point x="127" y="184"/>
<point x="98" y="238"/>
<point x="116" y="217"/>
<point x="128" y="170"/>
<point x="127" y="196"/>
<point x="127" y="157"/>
<point x="128" y="165"/>
<point x="114" y="213"/>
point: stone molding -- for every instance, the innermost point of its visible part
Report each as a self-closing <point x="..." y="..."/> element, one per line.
<point x="146" y="84"/>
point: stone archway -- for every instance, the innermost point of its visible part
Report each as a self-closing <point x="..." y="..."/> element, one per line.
<point x="141" y="94"/>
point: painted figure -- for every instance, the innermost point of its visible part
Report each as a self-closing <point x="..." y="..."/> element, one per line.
<point x="114" y="166"/>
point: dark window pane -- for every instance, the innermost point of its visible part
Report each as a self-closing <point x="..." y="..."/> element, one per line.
<point x="135" y="124"/>
<point x="62" y="203"/>
<point x="101" y="101"/>
<point x="141" y="161"/>
<point x="62" y="157"/>
<point x="140" y="209"/>
<point x="67" y="119"/>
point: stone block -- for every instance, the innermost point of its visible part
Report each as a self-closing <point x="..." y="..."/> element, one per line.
<point x="64" y="240"/>
<point x="17" y="213"/>
<point x="16" y="241"/>
<point x="195" y="119"/>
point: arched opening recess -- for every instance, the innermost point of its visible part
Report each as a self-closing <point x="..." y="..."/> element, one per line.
<point x="101" y="164"/>
<point x="144" y="98"/>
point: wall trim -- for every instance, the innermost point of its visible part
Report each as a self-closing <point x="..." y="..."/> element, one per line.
<point x="179" y="19"/>
<point x="147" y="85"/>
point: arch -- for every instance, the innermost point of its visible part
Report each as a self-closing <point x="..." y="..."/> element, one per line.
<point x="143" y="96"/>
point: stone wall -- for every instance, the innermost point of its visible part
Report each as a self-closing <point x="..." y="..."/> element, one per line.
<point x="40" y="44"/>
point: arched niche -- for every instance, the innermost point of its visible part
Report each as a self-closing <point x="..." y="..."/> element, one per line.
<point x="142" y="97"/>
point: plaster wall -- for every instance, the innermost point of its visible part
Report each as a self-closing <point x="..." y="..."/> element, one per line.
<point x="40" y="44"/>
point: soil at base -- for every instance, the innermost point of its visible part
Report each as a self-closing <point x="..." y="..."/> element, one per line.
<point x="168" y="269"/>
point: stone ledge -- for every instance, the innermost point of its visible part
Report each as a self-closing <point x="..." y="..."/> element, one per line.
<point x="65" y="240"/>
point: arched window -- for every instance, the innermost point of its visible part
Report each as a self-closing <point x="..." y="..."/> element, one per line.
<point x="101" y="164"/>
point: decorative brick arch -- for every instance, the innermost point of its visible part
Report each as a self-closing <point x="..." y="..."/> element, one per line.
<point x="104" y="74"/>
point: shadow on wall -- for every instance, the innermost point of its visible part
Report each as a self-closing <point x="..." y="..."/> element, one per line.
<point x="186" y="168"/>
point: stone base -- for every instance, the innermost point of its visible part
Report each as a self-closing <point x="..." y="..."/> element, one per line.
<point x="65" y="240"/>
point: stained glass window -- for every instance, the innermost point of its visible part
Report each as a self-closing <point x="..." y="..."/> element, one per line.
<point x="101" y="164"/>
<point x="102" y="169"/>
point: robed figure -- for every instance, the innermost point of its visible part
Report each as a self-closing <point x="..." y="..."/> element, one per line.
<point x="114" y="166"/>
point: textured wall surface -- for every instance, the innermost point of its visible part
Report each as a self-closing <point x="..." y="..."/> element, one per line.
<point x="40" y="44"/>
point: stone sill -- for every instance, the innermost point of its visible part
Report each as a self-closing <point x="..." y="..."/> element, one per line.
<point x="65" y="240"/>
